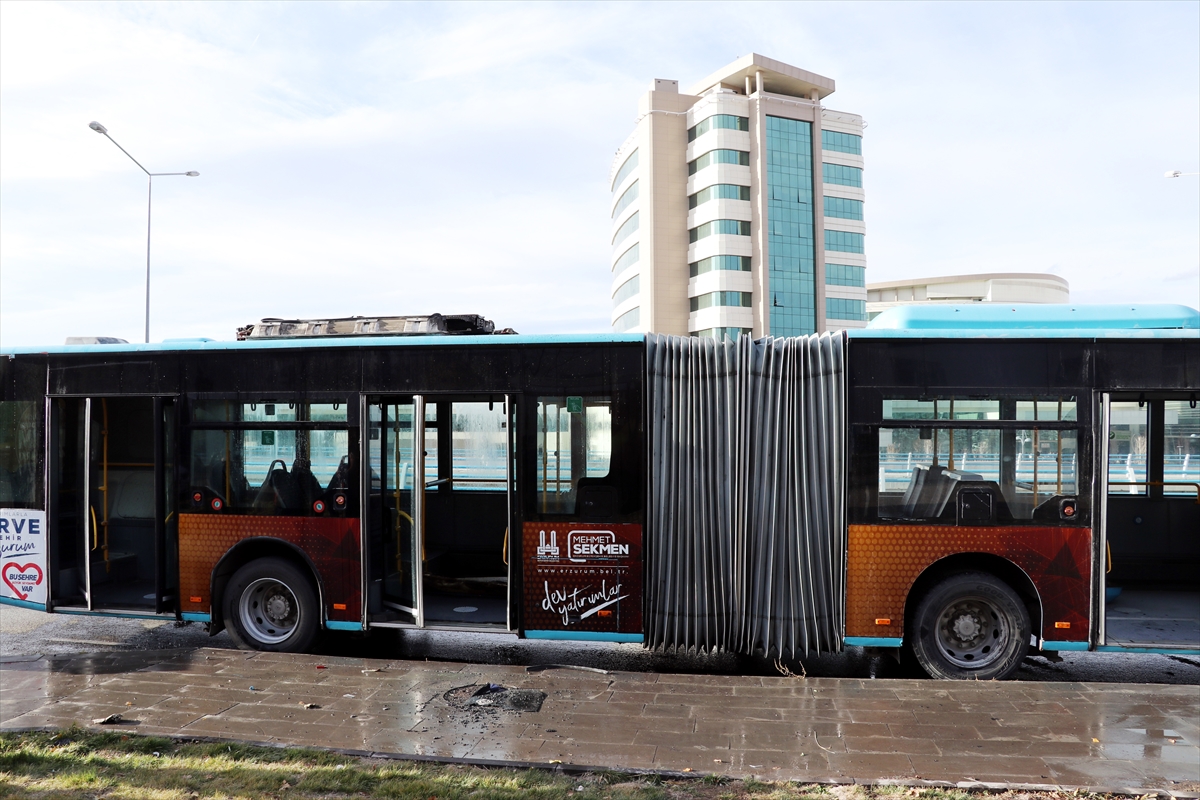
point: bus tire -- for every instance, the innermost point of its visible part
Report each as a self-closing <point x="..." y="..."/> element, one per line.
<point x="271" y="605"/>
<point x="970" y="626"/>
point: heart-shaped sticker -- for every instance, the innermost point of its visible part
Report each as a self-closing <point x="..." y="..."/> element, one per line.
<point x="20" y="579"/>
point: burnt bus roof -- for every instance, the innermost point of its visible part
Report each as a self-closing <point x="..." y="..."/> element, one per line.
<point x="356" y="342"/>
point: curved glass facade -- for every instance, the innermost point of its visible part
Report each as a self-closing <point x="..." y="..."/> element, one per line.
<point x="630" y="195"/>
<point x="840" y="308"/>
<point x="841" y="142"/>
<point x="842" y="175"/>
<point x="707" y="124"/>
<point x="627" y="320"/>
<point x="629" y="166"/>
<point x="734" y="299"/>
<point x="719" y="157"/>
<point x="732" y="263"/>
<point x="845" y="275"/>
<point x="630" y="256"/>
<point x="843" y="208"/>
<point x="625" y="291"/>
<point x="736" y="227"/>
<point x="791" y="248"/>
<point x="630" y="225"/>
<point x="844" y="242"/>
<point x="719" y="191"/>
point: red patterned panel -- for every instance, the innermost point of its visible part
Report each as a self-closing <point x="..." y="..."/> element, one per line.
<point x="885" y="560"/>
<point x="332" y="543"/>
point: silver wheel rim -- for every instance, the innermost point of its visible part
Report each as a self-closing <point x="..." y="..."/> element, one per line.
<point x="269" y="611"/>
<point x="972" y="633"/>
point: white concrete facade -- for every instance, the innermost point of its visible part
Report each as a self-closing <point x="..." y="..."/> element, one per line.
<point x="992" y="287"/>
<point x="680" y="225"/>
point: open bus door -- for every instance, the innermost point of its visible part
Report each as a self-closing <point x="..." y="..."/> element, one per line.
<point x="440" y="511"/>
<point x="1150" y="586"/>
<point x="112" y="528"/>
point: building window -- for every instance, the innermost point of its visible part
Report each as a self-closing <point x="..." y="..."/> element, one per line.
<point x="719" y="157"/>
<point x="629" y="166"/>
<point x="630" y="256"/>
<point x="627" y="320"/>
<point x="723" y="333"/>
<point x="791" y="241"/>
<point x="734" y="263"/>
<point x="841" y="142"/>
<point x="736" y="227"/>
<point x="841" y="308"/>
<point x="734" y="299"/>
<point x="625" y="291"/>
<point x="844" y="241"/>
<point x="721" y="191"/>
<point x="845" y="275"/>
<point x="729" y="121"/>
<point x="630" y="225"/>
<point x="630" y="195"/>
<point x="842" y="208"/>
<point x="842" y="175"/>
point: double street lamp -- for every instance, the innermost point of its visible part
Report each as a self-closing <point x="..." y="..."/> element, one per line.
<point x="150" y="176"/>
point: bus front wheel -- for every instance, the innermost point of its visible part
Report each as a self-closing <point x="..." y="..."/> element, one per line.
<point x="970" y="626"/>
<point x="270" y="605"/>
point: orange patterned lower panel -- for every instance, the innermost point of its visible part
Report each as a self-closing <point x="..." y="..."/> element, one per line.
<point x="331" y="543"/>
<point x="885" y="560"/>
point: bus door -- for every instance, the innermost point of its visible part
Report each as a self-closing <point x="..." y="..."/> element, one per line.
<point x="1151" y="585"/>
<point x="441" y="478"/>
<point x="112" y="522"/>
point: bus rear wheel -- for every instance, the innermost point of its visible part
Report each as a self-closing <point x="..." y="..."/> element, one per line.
<point x="970" y="626"/>
<point x="270" y="605"/>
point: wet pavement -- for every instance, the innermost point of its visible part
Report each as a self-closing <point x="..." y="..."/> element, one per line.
<point x="1109" y="736"/>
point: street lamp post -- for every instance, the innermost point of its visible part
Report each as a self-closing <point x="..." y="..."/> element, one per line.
<point x="150" y="176"/>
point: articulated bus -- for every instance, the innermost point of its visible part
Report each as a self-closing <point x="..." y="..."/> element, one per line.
<point x="967" y="484"/>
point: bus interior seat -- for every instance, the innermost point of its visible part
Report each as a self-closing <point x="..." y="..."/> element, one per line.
<point x="279" y="491"/>
<point x="307" y="483"/>
<point x="596" y="499"/>
<point x="916" y="485"/>
<point x="341" y="476"/>
<point x="930" y="489"/>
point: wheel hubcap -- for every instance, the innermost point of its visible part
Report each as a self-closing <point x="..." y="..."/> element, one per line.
<point x="268" y="611"/>
<point x="971" y="633"/>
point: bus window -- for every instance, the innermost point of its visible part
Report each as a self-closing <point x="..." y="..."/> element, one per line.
<point x="1012" y="472"/>
<point x="1181" y="453"/>
<point x="574" y="440"/>
<point x="479" y="446"/>
<point x="1128" y="440"/>
<point x="20" y="454"/>
<point x="256" y="468"/>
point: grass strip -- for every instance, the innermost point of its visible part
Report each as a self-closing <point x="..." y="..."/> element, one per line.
<point x="78" y="763"/>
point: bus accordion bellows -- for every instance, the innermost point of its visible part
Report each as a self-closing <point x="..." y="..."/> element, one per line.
<point x="964" y="484"/>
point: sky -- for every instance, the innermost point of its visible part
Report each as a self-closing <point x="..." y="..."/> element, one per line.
<point x="409" y="158"/>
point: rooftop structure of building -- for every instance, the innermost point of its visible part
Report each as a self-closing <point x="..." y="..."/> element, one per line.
<point x="989" y="287"/>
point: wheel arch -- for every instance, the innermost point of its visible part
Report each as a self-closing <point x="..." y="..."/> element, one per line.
<point x="243" y="553"/>
<point x="1000" y="567"/>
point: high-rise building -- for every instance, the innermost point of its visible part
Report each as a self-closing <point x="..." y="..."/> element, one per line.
<point x="738" y="207"/>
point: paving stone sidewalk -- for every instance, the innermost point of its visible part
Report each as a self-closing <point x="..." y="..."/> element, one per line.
<point x="1074" y="735"/>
